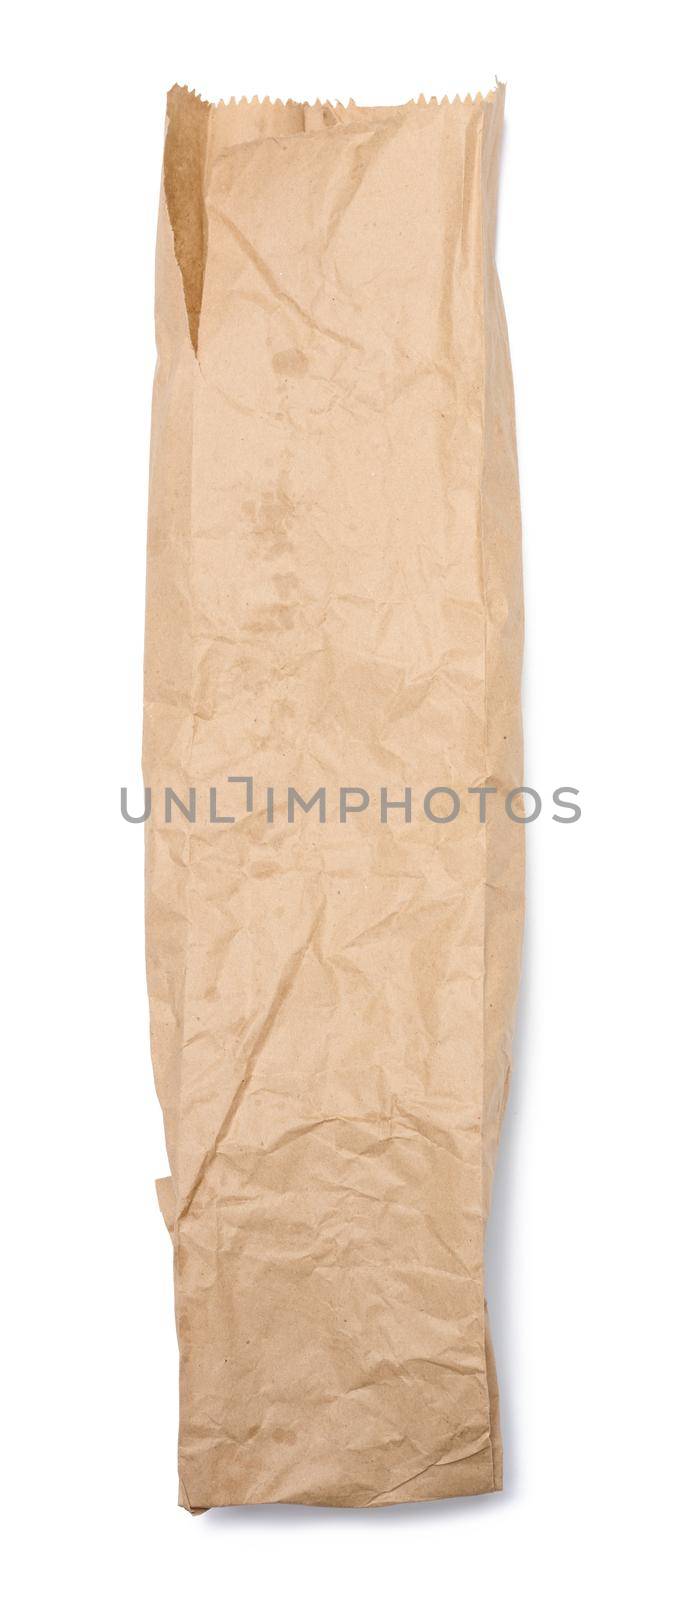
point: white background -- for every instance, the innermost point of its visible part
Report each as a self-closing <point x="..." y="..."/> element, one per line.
<point x="589" y="1258"/>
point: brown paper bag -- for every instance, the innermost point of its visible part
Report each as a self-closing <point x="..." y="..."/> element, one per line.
<point x="333" y="611"/>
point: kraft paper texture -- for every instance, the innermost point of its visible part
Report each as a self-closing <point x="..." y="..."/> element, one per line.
<point x="333" y="604"/>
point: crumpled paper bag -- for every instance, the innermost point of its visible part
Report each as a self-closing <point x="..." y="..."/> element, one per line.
<point x="333" y="606"/>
